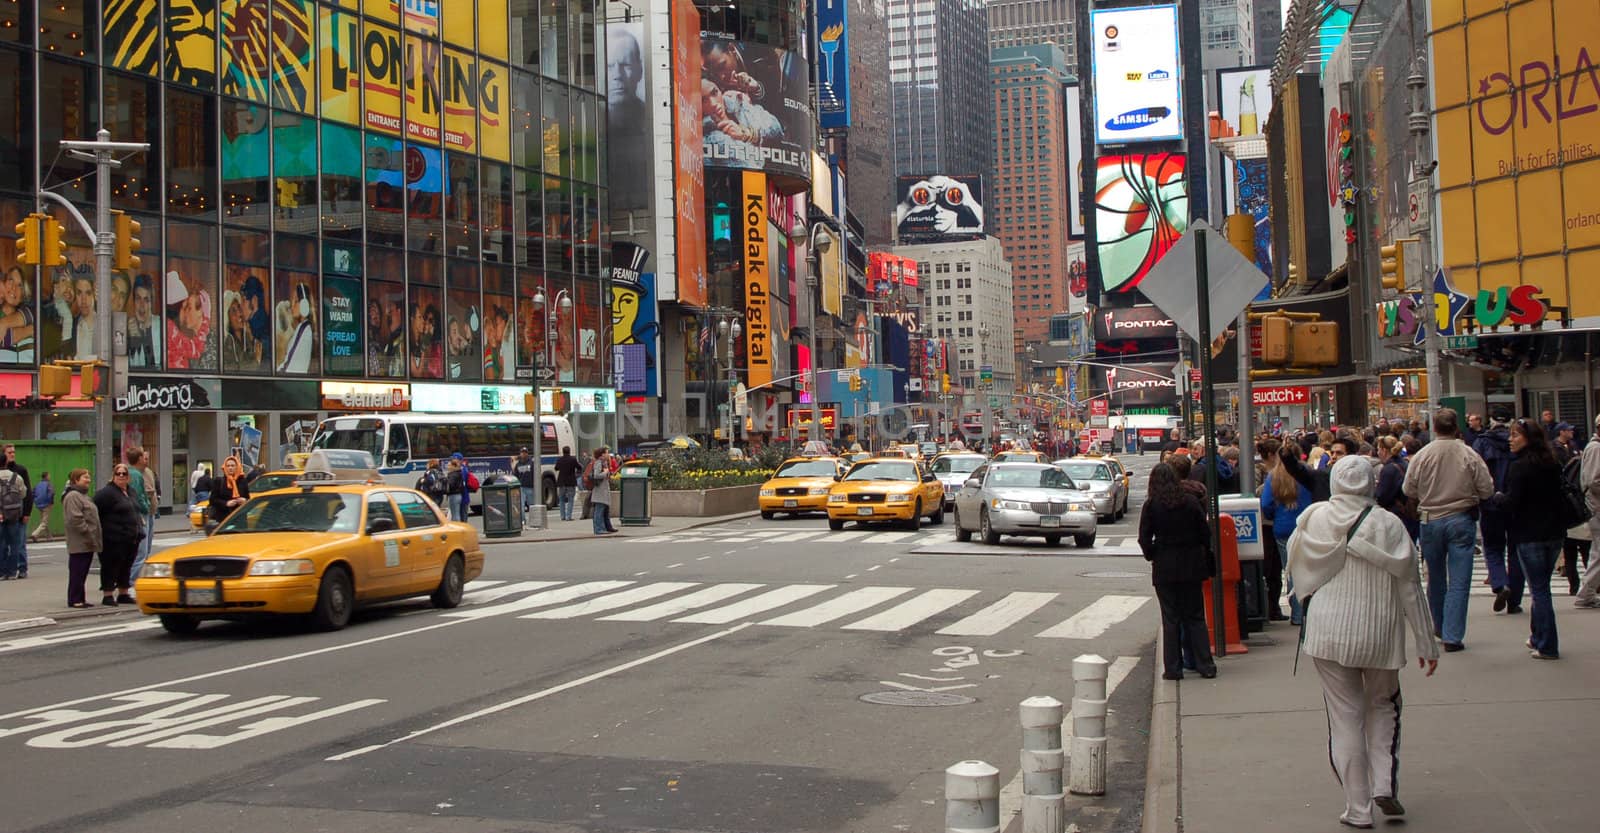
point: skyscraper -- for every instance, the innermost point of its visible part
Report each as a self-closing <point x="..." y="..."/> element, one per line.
<point x="1029" y="22"/>
<point x="1029" y="197"/>
<point x="868" y="146"/>
<point x="1226" y="27"/>
<point x="938" y="50"/>
<point x="1268" y="29"/>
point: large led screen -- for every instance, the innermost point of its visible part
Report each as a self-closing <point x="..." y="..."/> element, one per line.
<point x="1137" y="94"/>
<point x="1141" y="205"/>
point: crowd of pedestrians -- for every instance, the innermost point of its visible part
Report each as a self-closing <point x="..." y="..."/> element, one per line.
<point x="1354" y="520"/>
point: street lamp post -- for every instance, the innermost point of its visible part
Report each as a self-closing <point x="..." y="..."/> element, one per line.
<point x="729" y="332"/>
<point x="565" y="304"/>
<point x="815" y="249"/>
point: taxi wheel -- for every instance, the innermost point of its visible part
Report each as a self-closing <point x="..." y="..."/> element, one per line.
<point x="962" y="533"/>
<point x="835" y="525"/>
<point x="178" y="624"/>
<point x="915" y="522"/>
<point x="938" y="515"/>
<point x="767" y="516"/>
<point x="335" y="600"/>
<point x="451" y="584"/>
<point x="990" y="537"/>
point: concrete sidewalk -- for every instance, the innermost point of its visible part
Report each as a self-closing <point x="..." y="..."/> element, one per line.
<point x="1494" y="741"/>
<point x="41" y="599"/>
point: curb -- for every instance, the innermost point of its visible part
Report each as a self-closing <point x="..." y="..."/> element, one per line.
<point x="1163" y="809"/>
<point x="486" y="542"/>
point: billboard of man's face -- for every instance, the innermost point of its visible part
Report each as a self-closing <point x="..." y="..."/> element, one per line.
<point x="624" y="67"/>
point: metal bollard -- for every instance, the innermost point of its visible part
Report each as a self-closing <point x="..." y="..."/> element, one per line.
<point x="1088" y="775"/>
<point x="972" y="798"/>
<point x="1043" y="802"/>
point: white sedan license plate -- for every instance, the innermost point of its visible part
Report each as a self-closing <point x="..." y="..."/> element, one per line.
<point x="790" y="504"/>
<point x="865" y="510"/>
<point x="1049" y="520"/>
<point x="202" y="596"/>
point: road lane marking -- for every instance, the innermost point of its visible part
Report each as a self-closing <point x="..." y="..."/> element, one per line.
<point x="874" y="568"/>
<point x="854" y="601"/>
<point x="23" y="643"/>
<point x="836" y="537"/>
<point x="477" y="597"/>
<point x="893" y="560"/>
<point x="540" y="695"/>
<point x="851" y="576"/>
<point x="891" y="537"/>
<point x="641" y="573"/>
<point x="613" y="601"/>
<point x="707" y="557"/>
<point x="1097" y="618"/>
<point x="1001" y="615"/>
<point x="756" y="604"/>
<point x="682" y="604"/>
<point x="673" y="566"/>
<point x="912" y="611"/>
<point x="547" y="597"/>
<point x="1011" y="793"/>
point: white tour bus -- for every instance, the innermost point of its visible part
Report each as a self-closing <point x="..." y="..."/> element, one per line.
<point x="404" y="443"/>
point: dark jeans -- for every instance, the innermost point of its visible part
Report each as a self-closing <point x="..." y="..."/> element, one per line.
<point x="116" y="561"/>
<point x="1504" y="573"/>
<point x="1573" y="548"/>
<point x="602" y="518"/>
<point x="1183" y="625"/>
<point x="13" y="548"/>
<point x="1539" y="563"/>
<point x="1273" y="561"/>
<point x="78" y="564"/>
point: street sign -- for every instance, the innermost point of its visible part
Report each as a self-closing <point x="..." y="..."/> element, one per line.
<point x="1233" y="282"/>
<point x="1418" y="194"/>
<point x="986" y="375"/>
<point x="547" y="373"/>
<point x="1460" y="342"/>
<point x="1099" y="412"/>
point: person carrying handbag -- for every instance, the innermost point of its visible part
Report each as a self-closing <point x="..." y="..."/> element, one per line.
<point x="1175" y="539"/>
<point x="1357" y="561"/>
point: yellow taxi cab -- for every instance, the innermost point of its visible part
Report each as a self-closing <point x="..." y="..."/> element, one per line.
<point x="265" y="482"/>
<point x="894" y="451"/>
<point x="912" y="450"/>
<point x="886" y="489"/>
<point x="338" y="539"/>
<point x="799" y="485"/>
<point x="1020" y="457"/>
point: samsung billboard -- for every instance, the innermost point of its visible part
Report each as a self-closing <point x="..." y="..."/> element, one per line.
<point x="1137" y="93"/>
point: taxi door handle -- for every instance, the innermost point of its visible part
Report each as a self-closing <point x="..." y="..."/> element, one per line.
<point x="404" y="542"/>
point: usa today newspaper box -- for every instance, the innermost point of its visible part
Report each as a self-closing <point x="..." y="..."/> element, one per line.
<point x="1246" y="512"/>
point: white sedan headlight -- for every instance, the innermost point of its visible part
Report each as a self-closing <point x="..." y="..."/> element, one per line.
<point x="767" y="492"/>
<point x="817" y="490"/>
<point x="1078" y="507"/>
<point x="153" y="569"/>
<point x="901" y="497"/>
<point x="836" y="498"/>
<point x="284" y="567"/>
<point x="997" y="503"/>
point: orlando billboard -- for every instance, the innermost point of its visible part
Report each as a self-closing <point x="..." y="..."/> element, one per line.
<point x="756" y="103"/>
<point x="939" y="207"/>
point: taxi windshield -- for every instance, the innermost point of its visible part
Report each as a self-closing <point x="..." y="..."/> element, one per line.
<point x="1031" y="478"/>
<point x="273" y="482"/>
<point x="884" y="470"/>
<point x="1086" y="471"/>
<point x="956" y="465"/>
<point x="807" y="468"/>
<point x="296" y="512"/>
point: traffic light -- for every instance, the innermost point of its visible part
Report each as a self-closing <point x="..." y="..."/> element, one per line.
<point x="1242" y="234"/>
<point x="530" y="402"/>
<point x="55" y="381"/>
<point x="28" y="240"/>
<point x="53" y="243"/>
<point x="855" y="382"/>
<point x="1061" y="378"/>
<point x="1275" y="339"/>
<point x="126" y="259"/>
<point x="944" y="384"/>
<point x="1393" y="265"/>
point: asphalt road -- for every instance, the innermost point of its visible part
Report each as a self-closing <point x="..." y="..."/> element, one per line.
<point x="756" y="676"/>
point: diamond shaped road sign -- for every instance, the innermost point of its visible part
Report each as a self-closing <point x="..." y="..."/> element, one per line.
<point x="1234" y="281"/>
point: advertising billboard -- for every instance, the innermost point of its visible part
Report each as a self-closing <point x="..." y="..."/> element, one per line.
<point x="1139" y="384"/>
<point x="757" y="280"/>
<point x="1519" y="165"/>
<point x="939" y="207"/>
<point x="833" y="64"/>
<point x="1137" y="94"/>
<point x="627" y="112"/>
<point x="757" y="110"/>
<point x="1141" y="204"/>
<point x="1244" y="101"/>
<point x="1134" y="322"/>
<point x="1075" y="207"/>
<point x="689" y="179"/>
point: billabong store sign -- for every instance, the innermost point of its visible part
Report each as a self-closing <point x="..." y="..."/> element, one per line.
<point x="1456" y="312"/>
<point x="156" y="394"/>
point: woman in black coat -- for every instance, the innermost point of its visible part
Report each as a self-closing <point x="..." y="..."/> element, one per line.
<point x="1177" y="542"/>
<point x="229" y="490"/>
<point x="120" y="536"/>
<point x="1532" y="491"/>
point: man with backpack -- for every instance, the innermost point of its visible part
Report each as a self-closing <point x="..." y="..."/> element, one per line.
<point x="44" y="497"/>
<point x="1505" y="573"/>
<point x="16" y="504"/>
<point x="1589" y="478"/>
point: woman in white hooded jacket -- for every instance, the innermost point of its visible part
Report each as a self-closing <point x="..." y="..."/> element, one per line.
<point x="1358" y="562"/>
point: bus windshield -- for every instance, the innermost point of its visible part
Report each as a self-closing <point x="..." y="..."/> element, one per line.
<point x="353" y="434"/>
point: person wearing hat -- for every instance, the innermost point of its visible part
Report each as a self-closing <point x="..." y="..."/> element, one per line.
<point x="1355" y="560"/>
<point x="188" y="326"/>
<point x="1561" y="443"/>
<point x="526" y="471"/>
<point x="295" y="320"/>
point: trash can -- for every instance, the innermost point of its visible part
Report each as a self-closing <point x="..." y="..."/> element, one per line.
<point x="502" y="507"/>
<point x="1246" y="512"/>
<point x="635" y="491"/>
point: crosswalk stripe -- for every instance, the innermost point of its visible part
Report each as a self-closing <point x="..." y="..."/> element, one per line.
<point x="795" y="537"/>
<point x="683" y="604"/>
<point x="547" y="597"/>
<point x="912" y="611"/>
<point x="480" y="596"/>
<point x="756" y="604"/>
<point x="853" y="602"/>
<point x="1097" y="618"/>
<point x="612" y="601"/>
<point x="891" y="537"/>
<point x="1001" y="615"/>
<point x="850" y="536"/>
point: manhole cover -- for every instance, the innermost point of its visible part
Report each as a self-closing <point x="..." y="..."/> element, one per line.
<point x="1113" y="574"/>
<point x="916" y="698"/>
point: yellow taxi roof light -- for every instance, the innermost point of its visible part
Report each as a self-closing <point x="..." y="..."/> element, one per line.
<point x="339" y="466"/>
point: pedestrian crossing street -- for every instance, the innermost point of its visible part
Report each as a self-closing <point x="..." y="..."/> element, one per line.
<point x="877" y="609"/>
<point x="926" y="536"/>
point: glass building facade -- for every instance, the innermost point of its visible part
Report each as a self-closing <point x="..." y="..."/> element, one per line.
<point x="363" y="190"/>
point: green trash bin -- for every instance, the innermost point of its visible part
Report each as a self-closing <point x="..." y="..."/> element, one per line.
<point x="635" y="490"/>
<point x="502" y="507"/>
